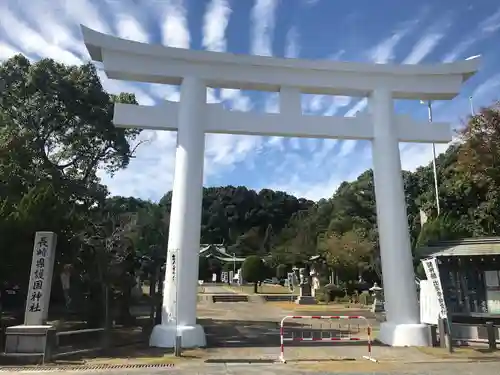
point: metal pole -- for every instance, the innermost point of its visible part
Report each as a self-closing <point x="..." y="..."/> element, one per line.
<point x="471" y="106"/>
<point x="436" y="187"/>
<point x="234" y="264"/>
<point x="178" y="334"/>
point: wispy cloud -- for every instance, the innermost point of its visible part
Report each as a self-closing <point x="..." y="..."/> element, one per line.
<point x="292" y="46"/>
<point x="310" y="3"/>
<point x="429" y="41"/>
<point x="460" y="49"/>
<point x="175" y="32"/>
<point x="214" y="25"/>
<point x="485" y="29"/>
<point x="7" y="51"/>
<point x="358" y="107"/>
<point x="491" y="24"/>
<point x="384" y="51"/>
<point x="487" y="87"/>
<point x="29" y="41"/>
<point x="263" y="20"/>
<point x="81" y="10"/>
<point x="49" y="28"/>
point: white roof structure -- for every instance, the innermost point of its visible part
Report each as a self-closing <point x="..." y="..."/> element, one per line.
<point x="219" y="252"/>
<point x="134" y="61"/>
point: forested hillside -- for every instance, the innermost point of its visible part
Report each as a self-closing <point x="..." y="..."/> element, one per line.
<point x="56" y="131"/>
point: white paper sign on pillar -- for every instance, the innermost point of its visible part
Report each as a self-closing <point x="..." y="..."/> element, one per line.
<point x="432" y="272"/>
<point x="173" y="274"/>
<point x="40" y="285"/>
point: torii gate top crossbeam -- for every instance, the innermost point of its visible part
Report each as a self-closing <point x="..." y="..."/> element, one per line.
<point x="134" y="61"/>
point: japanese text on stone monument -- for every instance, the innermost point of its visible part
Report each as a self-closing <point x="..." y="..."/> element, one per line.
<point x="40" y="279"/>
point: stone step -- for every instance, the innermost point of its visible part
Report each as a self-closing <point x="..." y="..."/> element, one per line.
<point x="230" y="298"/>
<point x="279" y="297"/>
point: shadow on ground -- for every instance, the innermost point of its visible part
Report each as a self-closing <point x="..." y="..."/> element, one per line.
<point x="247" y="334"/>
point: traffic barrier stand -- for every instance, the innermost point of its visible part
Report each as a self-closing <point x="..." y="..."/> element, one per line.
<point x="330" y="338"/>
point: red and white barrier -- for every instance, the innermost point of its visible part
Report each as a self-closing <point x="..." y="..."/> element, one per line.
<point x="320" y="339"/>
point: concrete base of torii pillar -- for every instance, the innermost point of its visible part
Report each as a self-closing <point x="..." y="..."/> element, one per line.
<point x="163" y="336"/>
<point x="404" y="334"/>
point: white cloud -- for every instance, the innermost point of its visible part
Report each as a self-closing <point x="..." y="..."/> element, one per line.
<point x="30" y="42"/>
<point x="129" y="28"/>
<point x="306" y="167"/>
<point x="263" y="19"/>
<point x="425" y="46"/>
<point x="224" y="151"/>
<point x="310" y="3"/>
<point x="174" y="29"/>
<point x="491" y="24"/>
<point x="429" y="41"/>
<point x="414" y="155"/>
<point x="358" y="107"/>
<point x="487" y="87"/>
<point x="485" y="29"/>
<point x="459" y="49"/>
<point x="276" y="143"/>
<point x="214" y="25"/>
<point x="347" y="147"/>
<point x="150" y="174"/>
<point x="383" y="52"/>
<point x="292" y="47"/>
<point x="7" y="51"/>
<point x="83" y="11"/>
<point x="295" y="143"/>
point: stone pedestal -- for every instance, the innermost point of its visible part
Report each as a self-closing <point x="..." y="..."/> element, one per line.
<point x="29" y="343"/>
<point x="306" y="300"/>
<point x="33" y="340"/>
<point x="305" y="297"/>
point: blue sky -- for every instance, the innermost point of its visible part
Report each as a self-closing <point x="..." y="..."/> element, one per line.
<point x="382" y="31"/>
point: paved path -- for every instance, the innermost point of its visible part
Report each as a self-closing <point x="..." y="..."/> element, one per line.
<point x="278" y="369"/>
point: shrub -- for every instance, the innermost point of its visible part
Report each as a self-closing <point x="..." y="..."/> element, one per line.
<point x="344" y="299"/>
<point x="334" y="291"/>
<point x="365" y="298"/>
<point x="322" y="295"/>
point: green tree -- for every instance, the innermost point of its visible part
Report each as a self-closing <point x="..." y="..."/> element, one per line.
<point x="253" y="270"/>
<point x="56" y="132"/>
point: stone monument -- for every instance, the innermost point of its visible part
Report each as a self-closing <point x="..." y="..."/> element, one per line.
<point x="192" y="117"/>
<point x="305" y="297"/>
<point x="28" y="340"/>
<point x="378" y="301"/>
<point x="314" y="280"/>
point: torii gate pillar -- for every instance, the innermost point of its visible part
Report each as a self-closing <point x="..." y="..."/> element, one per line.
<point x="180" y="286"/>
<point x="402" y="326"/>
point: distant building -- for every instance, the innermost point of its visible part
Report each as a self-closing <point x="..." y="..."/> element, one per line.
<point x="219" y="252"/>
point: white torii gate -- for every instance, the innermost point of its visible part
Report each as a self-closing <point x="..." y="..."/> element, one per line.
<point x="192" y="117"/>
